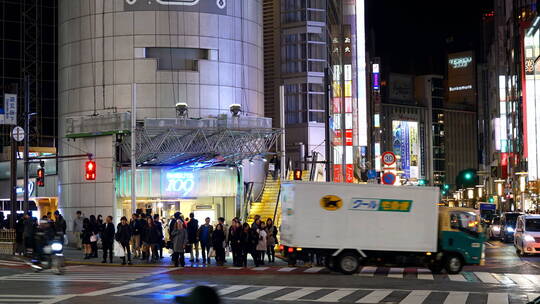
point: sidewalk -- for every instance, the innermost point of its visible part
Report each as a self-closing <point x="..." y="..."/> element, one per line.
<point x="74" y="256"/>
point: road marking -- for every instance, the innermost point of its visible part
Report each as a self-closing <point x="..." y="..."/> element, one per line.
<point x="297" y="294"/>
<point x="150" y="290"/>
<point x="59" y="299"/>
<point x="455" y="297"/>
<point x="286" y="269"/>
<point x="416" y="297"/>
<point x="259" y="293"/>
<point x="533" y="296"/>
<point x="182" y="291"/>
<point x="336" y="295"/>
<point x="368" y="271"/>
<point x="533" y="278"/>
<point x="231" y="289"/>
<point x="520" y="279"/>
<point x="497" y="298"/>
<point x="425" y="274"/>
<point x="504" y="280"/>
<point x="395" y="273"/>
<point x="486" y="277"/>
<point x="457" y="278"/>
<point x="314" y="269"/>
<point x="114" y="289"/>
<point x="259" y="268"/>
<point x="235" y="268"/>
<point x="375" y="296"/>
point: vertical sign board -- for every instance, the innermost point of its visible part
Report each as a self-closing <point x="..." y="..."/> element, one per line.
<point x="8" y="114"/>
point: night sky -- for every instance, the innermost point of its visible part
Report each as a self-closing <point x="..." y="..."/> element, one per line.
<point x="414" y="37"/>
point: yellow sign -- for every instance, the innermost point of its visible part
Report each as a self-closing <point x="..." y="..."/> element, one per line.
<point x="331" y="202"/>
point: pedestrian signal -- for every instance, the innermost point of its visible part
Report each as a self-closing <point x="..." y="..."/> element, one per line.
<point x="297" y="174"/>
<point x="90" y="170"/>
<point x="40" y="180"/>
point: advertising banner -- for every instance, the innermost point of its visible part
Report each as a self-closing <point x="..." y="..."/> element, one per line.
<point x="202" y="6"/>
<point x="406" y="146"/>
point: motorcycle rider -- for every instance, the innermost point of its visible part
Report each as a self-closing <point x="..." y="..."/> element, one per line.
<point x="44" y="236"/>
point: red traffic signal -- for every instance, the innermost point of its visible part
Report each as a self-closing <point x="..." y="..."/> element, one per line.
<point x="40" y="180"/>
<point x="298" y="174"/>
<point x="90" y="167"/>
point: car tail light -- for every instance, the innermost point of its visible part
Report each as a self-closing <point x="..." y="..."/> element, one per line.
<point x="290" y="250"/>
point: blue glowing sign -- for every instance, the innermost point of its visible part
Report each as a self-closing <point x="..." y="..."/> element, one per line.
<point x="376" y="85"/>
<point x="20" y="191"/>
<point x="181" y="183"/>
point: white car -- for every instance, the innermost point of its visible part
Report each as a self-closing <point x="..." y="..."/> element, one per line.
<point x="527" y="235"/>
<point x="494" y="230"/>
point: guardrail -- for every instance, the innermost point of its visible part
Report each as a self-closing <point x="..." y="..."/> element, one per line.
<point x="7" y="241"/>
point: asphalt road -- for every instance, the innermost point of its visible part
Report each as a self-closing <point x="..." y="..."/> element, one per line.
<point x="506" y="278"/>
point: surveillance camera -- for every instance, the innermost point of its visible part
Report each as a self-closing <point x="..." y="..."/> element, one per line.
<point x="235" y="109"/>
<point x="181" y="109"/>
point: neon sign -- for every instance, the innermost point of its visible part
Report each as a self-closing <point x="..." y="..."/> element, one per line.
<point x="182" y="182"/>
<point x="460" y="88"/>
<point x="458" y="63"/>
<point x="19" y="189"/>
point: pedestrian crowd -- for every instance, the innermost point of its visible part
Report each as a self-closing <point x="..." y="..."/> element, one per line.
<point x="145" y="237"/>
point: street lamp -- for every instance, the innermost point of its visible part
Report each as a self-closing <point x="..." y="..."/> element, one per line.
<point x="499" y="183"/>
<point x="181" y="109"/>
<point x="470" y="193"/>
<point x="235" y="109"/>
<point x="480" y="189"/>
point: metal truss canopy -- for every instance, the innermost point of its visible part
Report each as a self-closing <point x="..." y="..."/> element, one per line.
<point x="185" y="143"/>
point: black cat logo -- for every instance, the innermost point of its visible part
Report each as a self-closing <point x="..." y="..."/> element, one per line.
<point x="331" y="202"/>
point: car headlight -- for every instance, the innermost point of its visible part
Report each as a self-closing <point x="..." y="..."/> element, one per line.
<point x="56" y="246"/>
<point x="509" y="229"/>
<point x="496" y="228"/>
<point x="528" y="238"/>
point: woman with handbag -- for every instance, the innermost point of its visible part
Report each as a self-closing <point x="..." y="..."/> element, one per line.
<point x="94" y="226"/>
<point x="123" y="236"/>
<point x="180" y="240"/>
<point x="271" y="240"/>
<point x="86" y="235"/>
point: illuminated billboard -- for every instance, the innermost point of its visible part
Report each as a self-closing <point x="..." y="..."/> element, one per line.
<point x="461" y="78"/>
<point x="406" y="146"/>
<point x="531" y="100"/>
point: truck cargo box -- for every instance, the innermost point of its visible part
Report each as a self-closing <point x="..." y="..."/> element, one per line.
<point x="359" y="216"/>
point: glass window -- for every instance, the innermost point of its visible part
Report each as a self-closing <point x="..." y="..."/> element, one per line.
<point x="466" y="221"/>
<point x="496" y="220"/>
<point x="532" y="225"/>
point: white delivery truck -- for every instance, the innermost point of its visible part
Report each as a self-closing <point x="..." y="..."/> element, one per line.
<point x="351" y="223"/>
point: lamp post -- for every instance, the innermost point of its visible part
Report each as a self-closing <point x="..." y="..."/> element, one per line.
<point x="500" y="193"/>
<point x="522" y="178"/>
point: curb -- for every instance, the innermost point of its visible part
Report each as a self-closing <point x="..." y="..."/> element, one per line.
<point x="116" y="265"/>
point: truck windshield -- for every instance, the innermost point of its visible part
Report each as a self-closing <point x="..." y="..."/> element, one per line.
<point x="532" y="225"/>
<point x="466" y="221"/>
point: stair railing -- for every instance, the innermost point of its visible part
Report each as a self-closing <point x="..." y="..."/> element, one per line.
<point x="247" y="199"/>
<point x="277" y="204"/>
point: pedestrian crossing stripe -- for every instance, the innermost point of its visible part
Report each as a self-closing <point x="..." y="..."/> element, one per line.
<point x="319" y="294"/>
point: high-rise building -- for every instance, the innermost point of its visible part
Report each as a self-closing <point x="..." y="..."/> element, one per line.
<point x="316" y="50"/>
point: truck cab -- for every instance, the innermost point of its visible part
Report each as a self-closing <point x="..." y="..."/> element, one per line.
<point x="527" y="235"/>
<point x="461" y="240"/>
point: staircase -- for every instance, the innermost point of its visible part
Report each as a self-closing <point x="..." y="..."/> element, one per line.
<point x="267" y="204"/>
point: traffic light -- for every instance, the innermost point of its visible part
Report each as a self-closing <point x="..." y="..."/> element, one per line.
<point x="298" y="174"/>
<point x="40" y="180"/>
<point x="422" y="182"/>
<point x="90" y="170"/>
<point x="446" y="187"/>
<point x="491" y="200"/>
<point x="466" y="178"/>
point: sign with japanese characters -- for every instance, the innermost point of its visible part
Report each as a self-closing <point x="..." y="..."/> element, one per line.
<point x="8" y="113"/>
<point x="376" y="204"/>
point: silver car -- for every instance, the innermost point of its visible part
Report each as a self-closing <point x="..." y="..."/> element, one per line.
<point x="494" y="230"/>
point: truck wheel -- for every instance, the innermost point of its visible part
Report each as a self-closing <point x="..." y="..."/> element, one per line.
<point x="453" y="264"/>
<point x="348" y="263"/>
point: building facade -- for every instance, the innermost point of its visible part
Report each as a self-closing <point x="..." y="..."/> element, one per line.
<point x="206" y="56"/>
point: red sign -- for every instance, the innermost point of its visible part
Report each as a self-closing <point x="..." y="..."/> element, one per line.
<point x="388" y="178"/>
<point x="388" y="158"/>
<point x="338" y="174"/>
<point x="350" y="173"/>
<point x="349" y="137"/>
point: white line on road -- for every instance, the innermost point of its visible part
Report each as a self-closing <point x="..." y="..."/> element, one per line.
<point x="395" y="273"/>
<point x="231" y="289"/>
<point x="375" y="296"/>
<point x="259" y="268"/>
<point x="314" y="269"/>
<point x="533" y="278"/>
<point x="297" y="294"/>
<point x="416" y="297"/>
<point x="455" y="297"/>
<point x="497" y="298"/>
<point x="503" y="279"/>
<point x="533" y="296"/>
<point x="486" y="277"/>
<point x="425" y="274"/>
<point x="149" y="290"/>
<point x="114" y="289"/>
<point x="259" y="293"/>
<point x="520" y="279"/>
<point x="335" y="295"/>
<point x="368" y="271"/>
<point x="286" y="269"/>
<point x="58" y="299"/>
<point x="457" y="278"/>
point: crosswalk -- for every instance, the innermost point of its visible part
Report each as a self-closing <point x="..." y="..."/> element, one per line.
<point x="315" y="294"/>
<point x="114" y="275"/>
<point x="11" y="263"/>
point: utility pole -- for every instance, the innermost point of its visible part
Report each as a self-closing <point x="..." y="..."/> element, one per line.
<point x="26" y="139"/>
<point x="13" y="181"/>
<point x="133" y="148"/>
<point x="282" y="126"/>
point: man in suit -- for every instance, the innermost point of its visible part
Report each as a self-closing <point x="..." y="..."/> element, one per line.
<point x="107" y="239"/>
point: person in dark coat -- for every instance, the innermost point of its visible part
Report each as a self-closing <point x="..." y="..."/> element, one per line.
<point x="192" y="228"/>
<point x="180" y="240"/>
<point x="123" y="236"/>
<point x="218" y="239"/>
<point x="159" y="228"/>
<point x="152" y="238"/>
<point x="94" y="226"/>
<point x="86" y="235"/>
<point x="19" y="229"/>
<point x="135" y="227"/>
<point x="29" y="231"/>
<point x="204" y="235"/>
<point x="235" y="241"/>
<point x="107" y="239"/>
<point x="247" y="244"/>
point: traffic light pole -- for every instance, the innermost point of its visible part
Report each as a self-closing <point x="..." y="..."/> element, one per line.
<point x="13" y="183"/>
<point x="26" y="140"/>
